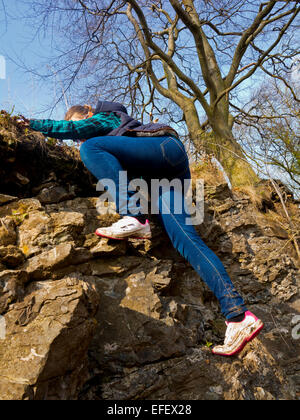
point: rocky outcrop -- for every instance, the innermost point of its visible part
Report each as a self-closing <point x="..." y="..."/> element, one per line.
<point x="46" y="339"/>
<point x="89" y="318"/>
<point x="94" y="318"/>
<point x="30" y="167"/>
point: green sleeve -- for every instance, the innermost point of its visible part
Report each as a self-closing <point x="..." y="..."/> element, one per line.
<point x="99" y="124"/>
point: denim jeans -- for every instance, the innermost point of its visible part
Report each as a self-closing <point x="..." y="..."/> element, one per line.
<point x="162" y="157"/>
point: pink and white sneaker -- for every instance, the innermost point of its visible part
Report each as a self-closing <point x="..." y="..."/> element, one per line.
<point x="238" y="334"/>
<point x="127" y="227"/>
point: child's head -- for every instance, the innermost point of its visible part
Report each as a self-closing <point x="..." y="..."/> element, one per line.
<point x="79" y="112"/>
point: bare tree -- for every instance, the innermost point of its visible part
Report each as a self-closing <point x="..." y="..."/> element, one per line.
<point x="3" y="14"/>
<point x="197" y="55"/>
<point x="271" y="124"/>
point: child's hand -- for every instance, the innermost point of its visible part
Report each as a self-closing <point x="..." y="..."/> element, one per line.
<point x="23" y="122"/>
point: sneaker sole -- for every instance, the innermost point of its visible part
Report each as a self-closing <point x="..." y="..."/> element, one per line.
<point x="122" y="239"/>
<point x="246" y="340"/>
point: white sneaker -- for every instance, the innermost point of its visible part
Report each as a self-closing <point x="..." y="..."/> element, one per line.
<point x="238" y="334"/>
<point x="127" y="227"/>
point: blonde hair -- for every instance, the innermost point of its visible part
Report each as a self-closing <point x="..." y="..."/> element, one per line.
<point x="82" y="110"/>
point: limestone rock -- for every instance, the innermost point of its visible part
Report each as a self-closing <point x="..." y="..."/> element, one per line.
<point x="12" y="286"/>
<point x="83" y="317"/>
<point x="8" y="234"/>
<point x="105" y="246"/>
<point x="47" y="335"/>
<point x="6" y="199"/>
<point x="156" y="315"/>
<point x="54" y="194"/>
<point x="11" y="256"/>
<point x="34" y="232"/>
<point x="199" y="376"/>
<point x="40" y="266"/>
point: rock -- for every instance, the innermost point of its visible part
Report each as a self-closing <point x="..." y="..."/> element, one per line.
<point x="106" y="246"/>
<point x="6" y="199"/>
<point x="238" y="221"/>
<point x="20" y="207"/>
<point x="67" y="220"/>
<point x="199" y="376"/>
<point x="113" y="266"/>
<point x="160" y="277"/>
<point x="286" y="289"/>
<point x="83" y="317"/>
<point x="219" y="192"/>
<point x="41" y="230"/>
<point x="155" y="315"/>
<point x="35" y="233"/>
<point x="239" y="244"/>
<point x="28" y="161"/>
<point x="67" y="226"/>
<point x="11" y="256"/>
<point x="43" y="264"/>
<point x="43" y="355"/>
<point x="8" y="234"/>
<point x="23" y="180"/>
<point x="11" y="287"/>
<point x="54" y="194"/>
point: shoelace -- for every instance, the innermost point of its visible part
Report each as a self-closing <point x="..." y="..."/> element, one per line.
<point x="123" y="222"/>
<point x="228" y="334"/>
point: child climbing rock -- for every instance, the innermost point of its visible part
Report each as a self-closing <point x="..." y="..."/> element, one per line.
<point x="112" y="142"/>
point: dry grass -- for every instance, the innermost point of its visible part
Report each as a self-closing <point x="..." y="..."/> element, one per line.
<point x="208" y="171"/>
<point x="283" y="216"/>
<point x="257" y="195"/>
<point x="71" y="151"/>
<point x="11" y="134"/>
<point x="283" y="227"/>
<point x="267" y="208"/>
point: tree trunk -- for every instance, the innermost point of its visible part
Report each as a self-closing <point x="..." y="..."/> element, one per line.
<point x="229" y="153"/>
<point x="223" y="146"/>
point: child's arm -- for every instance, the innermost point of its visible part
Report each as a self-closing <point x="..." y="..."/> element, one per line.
<point x="99" y="124"/>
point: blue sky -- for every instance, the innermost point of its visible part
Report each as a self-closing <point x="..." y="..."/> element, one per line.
<point x="19" y="46"/>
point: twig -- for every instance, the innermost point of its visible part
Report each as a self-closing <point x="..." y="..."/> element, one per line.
<point x="4" y="225"/>
<point x="279" y="330"/>
<point x="276" y="187"/>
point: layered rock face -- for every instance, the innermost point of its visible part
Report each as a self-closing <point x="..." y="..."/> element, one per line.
<point x="89" y="318"/>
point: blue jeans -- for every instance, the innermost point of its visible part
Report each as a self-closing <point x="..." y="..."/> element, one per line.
<point x="162" y="157"/>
